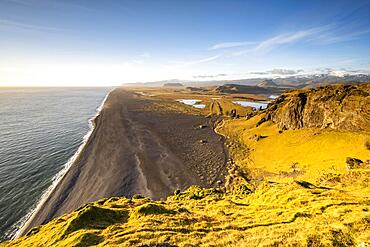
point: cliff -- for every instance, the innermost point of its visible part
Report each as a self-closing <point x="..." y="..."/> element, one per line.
<point x="342" y="107"/>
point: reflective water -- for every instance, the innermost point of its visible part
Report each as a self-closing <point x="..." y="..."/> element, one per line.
<point x="40" y="129"/>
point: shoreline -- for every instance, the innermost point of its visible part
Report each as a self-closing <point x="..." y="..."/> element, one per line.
<point x="159" y="152"/>
<point x="24" y="222"/>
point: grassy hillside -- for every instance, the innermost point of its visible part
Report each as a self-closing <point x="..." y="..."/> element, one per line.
<point x="276" y="213"/>
<point x="268" y="151"/>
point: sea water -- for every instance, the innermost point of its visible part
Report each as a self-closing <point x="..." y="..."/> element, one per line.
<point x="40" y="130"/>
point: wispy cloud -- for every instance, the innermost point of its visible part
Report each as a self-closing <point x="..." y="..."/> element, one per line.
<point x="176" y="64"/>
<point x="284" y="71"/>
<point x="9" y="24"/>
<point x="278" y="72"/>
<point x="323" y="35"/>
<point x="287" y="38"/>
<point x="50" y="3"/>
<point x="22" y="2"/>
<point x="331" y="37"/>
<point x="203" y="60"/>
<point x="209" y="76"/>
<point x="231" y="45"/>
<point x="283" y="39"/>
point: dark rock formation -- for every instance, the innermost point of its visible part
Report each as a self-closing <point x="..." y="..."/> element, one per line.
<point x="345" y="107"/>
<point x="353" y="163"/>
<point x="233" y="113"/>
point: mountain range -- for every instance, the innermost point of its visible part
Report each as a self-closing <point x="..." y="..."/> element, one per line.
<point x="296" y="81"/>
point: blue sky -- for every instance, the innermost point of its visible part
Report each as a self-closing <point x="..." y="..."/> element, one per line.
<point x="98" y="43"/>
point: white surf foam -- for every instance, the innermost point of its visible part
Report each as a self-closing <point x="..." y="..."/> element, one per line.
<point x="23" y="222"/>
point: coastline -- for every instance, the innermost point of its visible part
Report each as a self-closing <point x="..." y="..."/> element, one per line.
<point x="25" y="221"/>
<point x="150" y="160"/>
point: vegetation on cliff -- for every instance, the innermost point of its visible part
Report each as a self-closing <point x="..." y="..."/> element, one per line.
<point x="290" y="213"/>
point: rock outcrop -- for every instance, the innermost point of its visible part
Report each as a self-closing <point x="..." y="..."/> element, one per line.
<point x="344" y="107"/>
<point x="235" y="88"/>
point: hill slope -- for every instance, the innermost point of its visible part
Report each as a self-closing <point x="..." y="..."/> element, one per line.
<point x="275" y="214"/>
<point x="267" y="83"/>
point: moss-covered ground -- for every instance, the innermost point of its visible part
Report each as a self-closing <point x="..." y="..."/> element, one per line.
<point x="275" y="214"/>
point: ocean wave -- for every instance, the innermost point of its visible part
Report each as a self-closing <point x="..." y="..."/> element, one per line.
<point x="18" y="228"/>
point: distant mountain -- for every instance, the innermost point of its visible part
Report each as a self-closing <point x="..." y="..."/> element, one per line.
<point x="300" y="81"/>
<point x="267" y="83"/>
<point x="157" y="83"/>
<point x="173" y="84"/>
<point x="321" y="80"/>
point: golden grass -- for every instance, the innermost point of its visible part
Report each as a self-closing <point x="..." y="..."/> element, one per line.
<point x="309" y="151"/>
<point x="275" y="214"/>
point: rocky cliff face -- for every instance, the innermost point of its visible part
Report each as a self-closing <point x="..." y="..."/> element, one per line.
<point x="344" y="107"/>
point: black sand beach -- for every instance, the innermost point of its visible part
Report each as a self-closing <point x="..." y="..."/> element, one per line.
<point x="138" y="146"/>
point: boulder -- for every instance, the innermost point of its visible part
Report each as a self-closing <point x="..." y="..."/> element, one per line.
<point x="353" y="163"/>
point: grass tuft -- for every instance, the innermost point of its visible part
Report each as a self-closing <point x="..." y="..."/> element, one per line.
<point x="152" y="208"/>
<point x="93" y="217"/>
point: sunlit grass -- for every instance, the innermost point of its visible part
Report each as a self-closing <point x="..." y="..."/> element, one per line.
<point x="309" y="151"/>
<point x="276" y="213"/>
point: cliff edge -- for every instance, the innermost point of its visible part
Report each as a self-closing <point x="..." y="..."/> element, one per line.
<point x="342" y="107"/>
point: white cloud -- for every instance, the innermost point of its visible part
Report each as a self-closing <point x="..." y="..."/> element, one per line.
<point x="9" y="24"/>
<point x="284" y="71"/>
<point x="287" y="38"/>
<point x="204" y="60"/>
<point x="282" y="39"/>
<point x="323" y="35"/>
<point x="177" y="64"/>
<point x="23" y="2"/>
<point x="145" y="55"/>
<point x="231" y="45"/>
<point x="331" y="38"/>
<point x="50" y="4"/>
<point x="209" y="76"/>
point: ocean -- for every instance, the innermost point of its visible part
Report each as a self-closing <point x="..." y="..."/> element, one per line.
<point x="40" y="130"/>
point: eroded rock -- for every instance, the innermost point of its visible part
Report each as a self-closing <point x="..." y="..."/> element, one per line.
<point x="344" y="107"/>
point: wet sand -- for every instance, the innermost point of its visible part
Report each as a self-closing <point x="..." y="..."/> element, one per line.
<point x="138" y="146"/>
